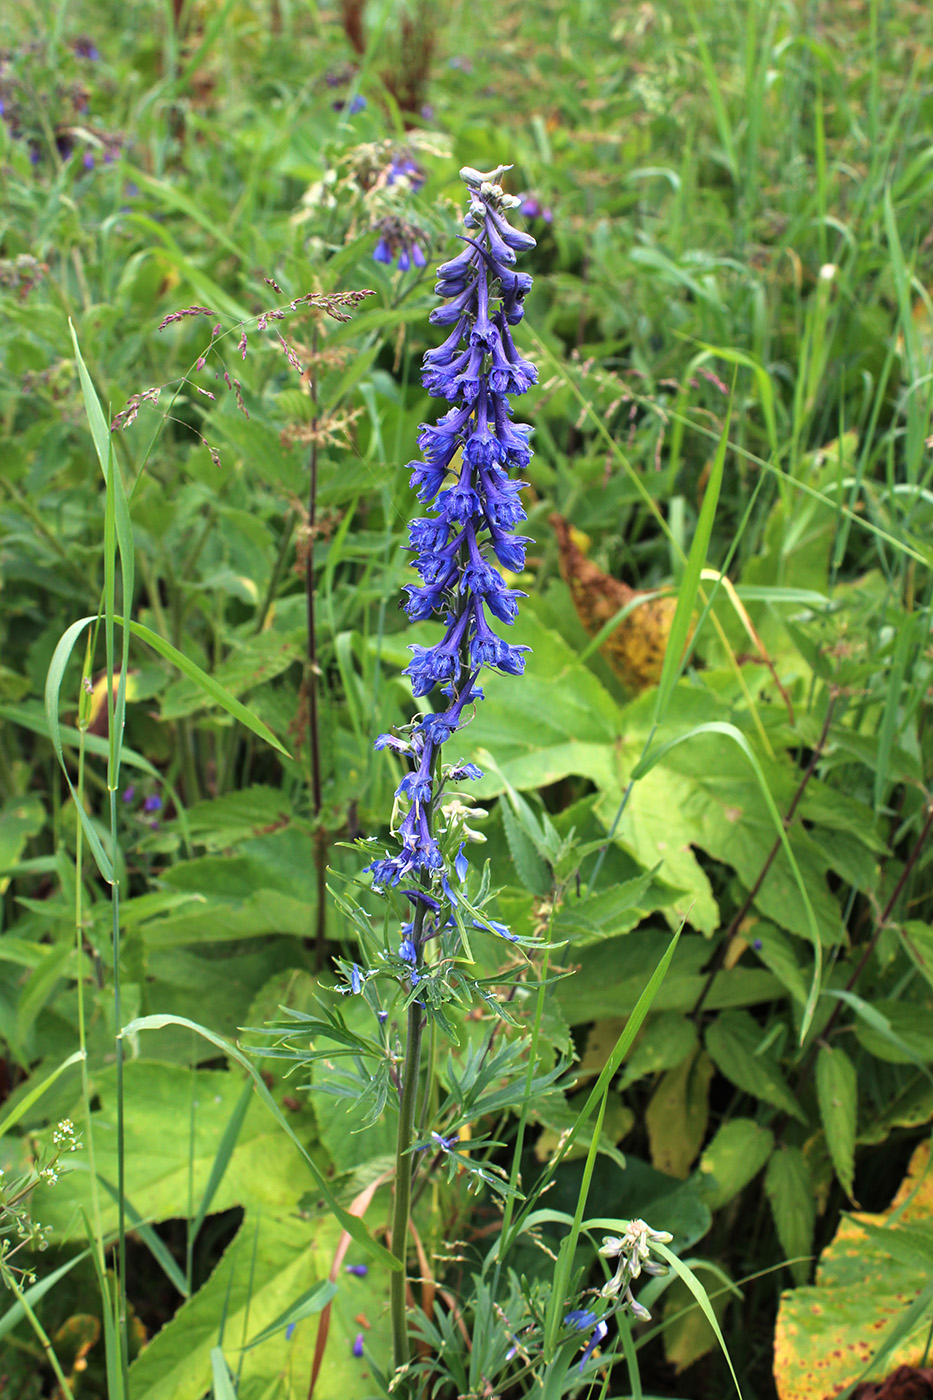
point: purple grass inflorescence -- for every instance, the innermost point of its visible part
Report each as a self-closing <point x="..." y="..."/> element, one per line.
<point x="467" y="480"/>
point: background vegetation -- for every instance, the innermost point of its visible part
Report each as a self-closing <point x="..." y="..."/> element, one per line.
<point x="732" y="207"/>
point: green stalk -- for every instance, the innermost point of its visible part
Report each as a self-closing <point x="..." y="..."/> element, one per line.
<point x="403" y="1168"/>
<point x="504" y="1240"/>
<point x="79" y="973"/>
<point x="14" y="1287"/>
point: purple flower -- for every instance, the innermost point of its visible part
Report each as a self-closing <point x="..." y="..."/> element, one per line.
<point x="88" y="160"/>
<point x="358" y="1270"/>
<point x="599" y="1335"/>
<point x="358" y="1345"/>
<point x="153" y="803"/>
<point x="467" y="481"/>
<point x="128" y="793"/>
<point x="581" y="1318"/>
<point x="290" y="1331"/>
<point x="501" y="929"/>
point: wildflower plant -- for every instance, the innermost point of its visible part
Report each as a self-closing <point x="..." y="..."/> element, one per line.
<point x="436" y="899"/>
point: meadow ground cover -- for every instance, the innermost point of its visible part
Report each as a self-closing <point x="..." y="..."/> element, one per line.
<point x="650" y="941"/>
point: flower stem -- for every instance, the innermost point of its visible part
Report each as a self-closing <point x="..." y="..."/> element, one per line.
<point x="403" y="1169"/>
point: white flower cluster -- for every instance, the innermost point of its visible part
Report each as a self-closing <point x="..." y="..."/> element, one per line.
<point x="633" y="1252"/>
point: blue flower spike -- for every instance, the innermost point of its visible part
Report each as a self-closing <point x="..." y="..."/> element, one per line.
<point x="469" y="481"/>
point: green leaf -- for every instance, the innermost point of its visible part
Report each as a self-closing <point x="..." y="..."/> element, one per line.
<point x="735" y="1156"/>
<point x="176" y="1124"/>
<point x="53" y="685"/>
<point x="25" y="1104"/>
<point x="207" y="684"/>
<point x="666" y="1040"/>
<point x="313" y="1301"/>
<point x="222" y="1381"/>
<point x="20" y="819"/>
<point x="532" y="871"/>
<point x="274" y="1264"/>
<point x="689" y="590"/>
<point x="733" y="1040"/>
<point x="737" y="737"/>
<point x="837" y="1094"/>
<point x="351" y="1223"/>
<point x="610" y="975"/>
<point x="789" y="1188"/>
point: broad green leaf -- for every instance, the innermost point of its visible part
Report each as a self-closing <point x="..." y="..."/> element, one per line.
<point x="737" y="1153"/>
<point x="837" y="1094"/>
<point x="531" y="870"/>
<point x="351" y="1224"/>
<point x="666" y="1040"/>
<point x="225" y="821"/>
<point x="733" y="1040"/>
<point x="175" y="1122"/>
<point x="20" y="819"/>
<point x="677" y="1114"/>
<point x="313" y="1301"/>
<point x="612" y="911"/>
<point x="896" y="1031"/>
<point x="610" y="975"/>
<point x="918" y="940"/>
<point x="276" y="1261"/>
<point x="210" y="687"/>
<point x="730" y="732"/>
<point x="252" y="662"/>
<point x="789" y="1189"/>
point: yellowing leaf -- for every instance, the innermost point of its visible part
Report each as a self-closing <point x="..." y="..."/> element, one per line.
<point x="736" y="1154"/>
<point x="827" y="1334"/>
<point x="677" y="1115"/>
<point x="635" y="648"/>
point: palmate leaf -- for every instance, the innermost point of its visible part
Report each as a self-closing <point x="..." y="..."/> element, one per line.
<point x="175" y="1120"/>
<point x="705" y="792"/>
<point x="275" y="1268"/>
<point x="869" y="1308"/>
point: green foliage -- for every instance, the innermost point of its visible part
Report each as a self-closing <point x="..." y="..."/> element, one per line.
<point x="769" y="799"/>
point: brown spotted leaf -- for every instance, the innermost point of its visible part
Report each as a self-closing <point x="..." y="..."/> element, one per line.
<point x="635" y="648"/>
<point x="827" y="1334"/>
